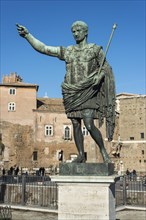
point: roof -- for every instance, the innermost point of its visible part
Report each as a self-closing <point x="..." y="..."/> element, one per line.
<point x="19" y="84"/>
<point x="50" y="104"/>
<point x="128" y="95"/>
<point x="125" y="94"/>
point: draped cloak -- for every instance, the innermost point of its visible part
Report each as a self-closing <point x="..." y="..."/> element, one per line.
<point x="80" y="89"/>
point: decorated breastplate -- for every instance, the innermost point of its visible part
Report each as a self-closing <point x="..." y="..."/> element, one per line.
<point x="80" y="62"/>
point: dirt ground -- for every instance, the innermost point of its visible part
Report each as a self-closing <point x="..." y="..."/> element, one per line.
<point x="31" y="215"/>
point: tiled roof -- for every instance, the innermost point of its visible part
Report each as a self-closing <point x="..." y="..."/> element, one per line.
<point x="50" y="104"/>
<point x="19" y="84"/>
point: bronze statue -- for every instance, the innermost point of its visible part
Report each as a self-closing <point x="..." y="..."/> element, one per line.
<point x="88" y="93"/>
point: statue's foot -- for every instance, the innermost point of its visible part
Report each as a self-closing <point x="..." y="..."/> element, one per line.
<point x="106" y="157"/>
<point x="107" y="160"/>
<point x="79" y="159"/>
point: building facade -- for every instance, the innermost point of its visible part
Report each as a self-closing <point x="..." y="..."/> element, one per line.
<point x="36" y="132"/>
<point x="131" y="132"/>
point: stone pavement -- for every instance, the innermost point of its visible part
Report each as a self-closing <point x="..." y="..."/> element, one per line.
<point x="131" y="215"/>
<point x="33" y="215"/>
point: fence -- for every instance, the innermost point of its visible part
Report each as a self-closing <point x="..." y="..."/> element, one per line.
<point x="42" y="192"/>
<point x="5" y="213"/>
<point x="130" y="192"/>
<point x="29" y="190"/>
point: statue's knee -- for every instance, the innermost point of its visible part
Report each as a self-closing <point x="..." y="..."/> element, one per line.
<point x="89" y="124"/>
<point x="88" y="127"/>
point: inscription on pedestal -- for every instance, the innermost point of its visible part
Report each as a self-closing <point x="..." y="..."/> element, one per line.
<point x="86" y="169"/>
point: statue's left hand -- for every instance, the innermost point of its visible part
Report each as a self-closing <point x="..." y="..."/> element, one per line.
<point x="98" y="78"/>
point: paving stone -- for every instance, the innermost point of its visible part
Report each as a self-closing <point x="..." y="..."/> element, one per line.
<point x="120" y="215"/>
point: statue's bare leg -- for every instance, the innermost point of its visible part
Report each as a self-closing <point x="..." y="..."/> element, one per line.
<point x="78" y="137"/>
<point x="96" y="135"/>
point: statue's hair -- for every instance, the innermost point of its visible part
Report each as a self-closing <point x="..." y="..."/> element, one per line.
<point x="80" y="23"/>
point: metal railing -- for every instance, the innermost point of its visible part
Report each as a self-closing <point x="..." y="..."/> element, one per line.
<point x="130" y="192"/>
<point x="5" y="213"/>
<point x="29" y="191"/>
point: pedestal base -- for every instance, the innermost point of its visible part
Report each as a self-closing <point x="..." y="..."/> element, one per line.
<point x="86" y="197"/>
<point x="86" y="169"/>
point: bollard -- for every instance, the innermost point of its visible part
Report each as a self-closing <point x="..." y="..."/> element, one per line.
<point x="5" y="213"/>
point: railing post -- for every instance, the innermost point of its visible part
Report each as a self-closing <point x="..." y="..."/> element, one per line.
<point x="23" y="189"/>
<point x="124" y="191"/>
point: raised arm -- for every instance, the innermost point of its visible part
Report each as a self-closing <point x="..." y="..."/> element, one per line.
<point x="36" y="44"/>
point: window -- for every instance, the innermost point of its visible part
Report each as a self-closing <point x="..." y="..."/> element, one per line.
<point x="85" y="131"/>
<point x="11" y="106"/>
<point x="85" y="153"/>
<point x="131" y="138"/>
<point x="142" y="135"/>
<point x="142" y="151"/>
<point x="12" y="91"/>
<point x="60" y="155"/>
<point x="48" y="130"/>
<point x="35" y="155"/>
<point x="67" y="132"/>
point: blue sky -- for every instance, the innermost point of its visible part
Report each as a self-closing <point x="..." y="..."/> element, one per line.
<point x="50" y="22"/>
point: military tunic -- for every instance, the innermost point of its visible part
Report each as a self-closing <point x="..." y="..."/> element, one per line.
<point x="80" y="90"/>
<point x="81" y="63"/>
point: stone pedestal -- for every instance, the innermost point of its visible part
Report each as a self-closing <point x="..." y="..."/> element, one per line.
<point x="86" y="197"/>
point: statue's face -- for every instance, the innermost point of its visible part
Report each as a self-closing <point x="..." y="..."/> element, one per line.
<point x="79" y="33"/>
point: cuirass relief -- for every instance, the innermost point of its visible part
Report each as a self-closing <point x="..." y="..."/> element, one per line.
<point x="75" y="54"/>
<point x="79" y="63"/>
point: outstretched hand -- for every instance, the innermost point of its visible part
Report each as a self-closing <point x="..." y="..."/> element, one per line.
<point x="22" y="30"/>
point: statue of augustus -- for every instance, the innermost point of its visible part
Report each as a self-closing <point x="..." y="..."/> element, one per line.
<point x="88" y="93"/>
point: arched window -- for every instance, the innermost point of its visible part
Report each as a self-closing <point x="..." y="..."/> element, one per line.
<point x="48" y="130"/>
<point x="67" y="132"/>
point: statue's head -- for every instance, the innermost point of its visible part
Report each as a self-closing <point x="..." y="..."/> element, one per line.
<point x="81" y="24"/>
<point x="79" y="30"/>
